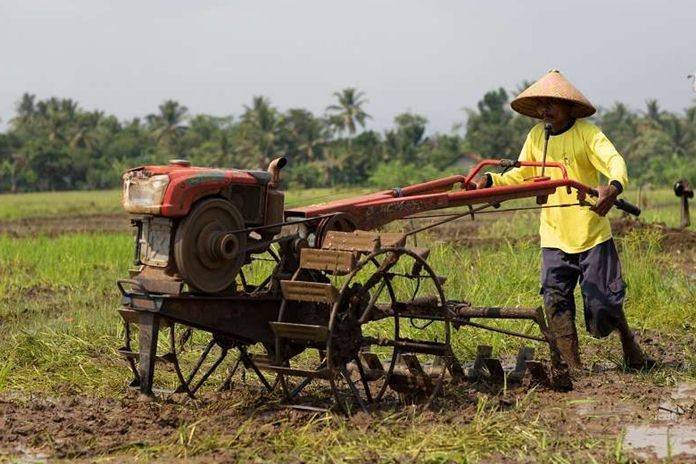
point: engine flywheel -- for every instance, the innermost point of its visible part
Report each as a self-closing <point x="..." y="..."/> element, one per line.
<point x="207" y="255"/>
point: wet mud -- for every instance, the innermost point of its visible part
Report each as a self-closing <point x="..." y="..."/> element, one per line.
<point x="653" y="420"/>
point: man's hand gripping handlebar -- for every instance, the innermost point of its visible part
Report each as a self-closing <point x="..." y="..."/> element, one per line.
<point x="604" y="194"/>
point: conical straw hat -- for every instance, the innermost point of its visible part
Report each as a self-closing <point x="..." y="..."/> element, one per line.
<point x="552" y="85"/>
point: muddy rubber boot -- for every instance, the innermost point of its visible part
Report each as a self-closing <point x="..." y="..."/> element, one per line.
<point x="633" y="355"/>
<point x="562" y="329"/>
<point x="569" y="347"/>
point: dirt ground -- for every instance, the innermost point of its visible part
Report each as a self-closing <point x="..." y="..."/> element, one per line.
<point x="52" y="226"/>
<point x="605" y="401"/>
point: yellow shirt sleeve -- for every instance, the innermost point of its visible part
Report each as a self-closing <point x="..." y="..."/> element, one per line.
<point x="517" y="175"/>
<point x="605" y="158"/>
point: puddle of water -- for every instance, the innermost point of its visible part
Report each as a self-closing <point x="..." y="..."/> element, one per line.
<point x="589" y="409"/>
<point x="683" y="397"/>
<point x="669" y="412"/>
<point x="661" y="441"/>
<point x="685" y="394"/>
<point x="22" y="455"/>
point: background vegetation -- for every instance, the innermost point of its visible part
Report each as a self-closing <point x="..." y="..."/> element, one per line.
<point x="54" y="144"/>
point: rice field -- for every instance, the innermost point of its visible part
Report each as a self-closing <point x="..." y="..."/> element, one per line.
<point x="59" y="332"/>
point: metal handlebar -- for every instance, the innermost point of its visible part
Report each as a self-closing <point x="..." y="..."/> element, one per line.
<point x="621" y="204"/>
<point x="628" y="207"/>
<point x="510" y="163"/>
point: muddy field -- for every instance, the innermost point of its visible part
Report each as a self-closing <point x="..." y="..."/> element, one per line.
<point x="605" y="401"/>
<point x="610" y="416"/>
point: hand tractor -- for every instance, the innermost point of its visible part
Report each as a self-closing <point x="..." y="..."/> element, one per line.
<point x="319" y="302"/>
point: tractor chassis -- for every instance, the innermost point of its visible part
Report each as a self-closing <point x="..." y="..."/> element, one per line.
<point x="237" y="322"/>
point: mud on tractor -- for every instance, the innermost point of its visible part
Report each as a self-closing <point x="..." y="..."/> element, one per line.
<point x="317" y="302"/>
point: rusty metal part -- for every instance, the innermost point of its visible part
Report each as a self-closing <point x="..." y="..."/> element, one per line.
<point x="471" y="212"/>
<point x="351" y="241"/>
<point x="207" y="255"/>
<point x="155" y="241"/>
<point x="318" y="292"/>
<point x="376" y="209"/>
<point x="191" y="376"/>
<point x="335" y="289"/>
<point x="158" y="280"/>
<point x="335" y="262"/>
<point x="274" y="169"/>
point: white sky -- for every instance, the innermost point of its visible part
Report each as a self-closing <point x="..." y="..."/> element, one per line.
<point x="432" y="57"/>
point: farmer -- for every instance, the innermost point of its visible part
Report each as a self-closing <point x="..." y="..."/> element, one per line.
<point x="576" y="242"/>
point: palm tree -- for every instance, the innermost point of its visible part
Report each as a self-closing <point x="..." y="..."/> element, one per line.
<point x="26" y="110"/>
<point x="167" y="125"/>
<point x="348" y="112"/>
<point x="678" y="133"/>
<point x="86" y="130"/>
<point x="261" y="127"/>
<point x="653" y="113"/>
<point x="56" y="116"/>
<point x="690" y="123"/>
<point x="305" y="131"/>
<point x="14" y="167"/>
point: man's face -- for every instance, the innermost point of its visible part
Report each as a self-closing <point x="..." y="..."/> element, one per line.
<point x="556" y="112"/>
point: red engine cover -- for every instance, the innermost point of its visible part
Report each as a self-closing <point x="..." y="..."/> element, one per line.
<point x="188" y="184"/>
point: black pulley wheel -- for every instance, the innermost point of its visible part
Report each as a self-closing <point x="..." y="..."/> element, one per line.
<point x="207" y="255"/>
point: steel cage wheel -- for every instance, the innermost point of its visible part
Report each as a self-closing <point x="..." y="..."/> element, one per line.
<point x="391" y="260"/>
<point x="360" y="387"/>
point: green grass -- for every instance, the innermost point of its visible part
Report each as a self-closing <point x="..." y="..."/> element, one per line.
<point x="59" y="331"/>
<point x="43" y="204"/>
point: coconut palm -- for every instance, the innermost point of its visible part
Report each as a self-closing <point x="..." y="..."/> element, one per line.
<point x="261" y="126"/>
<point x="167" y="126"/>
<point x="26" y="110"/>
<point x="55" y="117"/>
<point x="86" y="135"/>
<point x="14" y="166"/>
<point x="348" y="111"/>
<point x="653" y="113"/>
<point x="305" y="132"/>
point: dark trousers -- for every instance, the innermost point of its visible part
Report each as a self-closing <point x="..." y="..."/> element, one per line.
<point x="603" y="289"/>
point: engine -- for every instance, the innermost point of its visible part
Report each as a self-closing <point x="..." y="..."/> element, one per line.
<point x="192" y="224"/>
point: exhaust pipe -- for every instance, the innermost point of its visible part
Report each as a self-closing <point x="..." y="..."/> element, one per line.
<point x="274" y="169"/>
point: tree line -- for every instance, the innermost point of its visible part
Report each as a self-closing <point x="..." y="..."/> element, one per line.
<point x="54" y="144"/>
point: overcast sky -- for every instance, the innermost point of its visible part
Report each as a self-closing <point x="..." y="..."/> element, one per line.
<point x="431" y="57"/>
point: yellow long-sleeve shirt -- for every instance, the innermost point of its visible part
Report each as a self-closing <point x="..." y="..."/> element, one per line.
<point x="586" y="152"/>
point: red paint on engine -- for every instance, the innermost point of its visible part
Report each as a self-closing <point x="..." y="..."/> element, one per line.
<point x="189" y="184"/>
